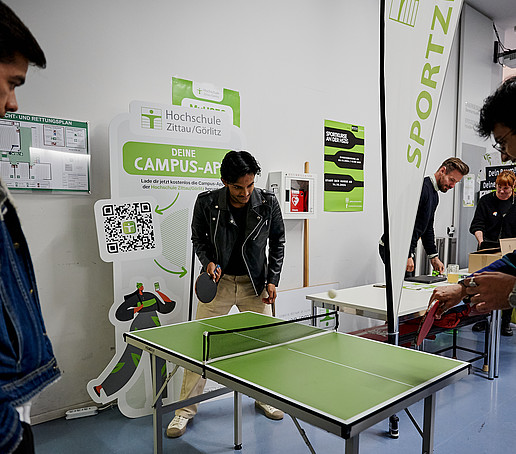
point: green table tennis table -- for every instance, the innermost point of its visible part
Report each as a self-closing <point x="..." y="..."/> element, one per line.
<point x="370" y="380"/>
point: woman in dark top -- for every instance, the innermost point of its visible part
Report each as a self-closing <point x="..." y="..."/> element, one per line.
<point x="495" y="218"/>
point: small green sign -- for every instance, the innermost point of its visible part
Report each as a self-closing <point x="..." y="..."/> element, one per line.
<point x="343" y="166"/>
<point x="142" y="158"/>
<point x="206" y="97"/>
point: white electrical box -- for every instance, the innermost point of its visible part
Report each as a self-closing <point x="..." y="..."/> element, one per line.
<point x="295" y="193"/>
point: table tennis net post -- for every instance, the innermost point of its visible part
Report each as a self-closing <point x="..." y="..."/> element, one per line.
<point x="223" y="344"/>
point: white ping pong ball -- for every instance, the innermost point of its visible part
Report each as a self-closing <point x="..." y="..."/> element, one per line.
<point x="332" y="293"/>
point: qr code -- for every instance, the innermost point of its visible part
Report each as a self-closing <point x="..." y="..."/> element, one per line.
<point x="128" y="227"/>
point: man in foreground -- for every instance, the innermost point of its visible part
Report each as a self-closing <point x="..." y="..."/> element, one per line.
<point x="493" y="287"/>
<point x="27" y="363"/>
<point x="232" y="229"/>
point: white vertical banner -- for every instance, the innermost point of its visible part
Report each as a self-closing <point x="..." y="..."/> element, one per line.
<point x="418" y="39"/>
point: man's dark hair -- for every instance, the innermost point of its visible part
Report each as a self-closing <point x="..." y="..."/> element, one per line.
<point x="452" y="164"/>
<point x="499" y="108"/>
<point x="16" y="38"/>
<point x="236" y="164"/>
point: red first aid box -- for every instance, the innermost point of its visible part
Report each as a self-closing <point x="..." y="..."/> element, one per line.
<point x="297" y="201"/>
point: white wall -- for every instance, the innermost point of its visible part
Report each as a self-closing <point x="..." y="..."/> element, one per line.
<point x="443" y="141"/>
<point x="508" y="36"/>
<point x="509" y="41"/>
<point x="295" y="63"/>
<point x="479" y="76"/>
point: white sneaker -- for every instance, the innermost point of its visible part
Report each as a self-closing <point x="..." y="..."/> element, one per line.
<point x="177" y="427"/>
<point x="269" y="410"/>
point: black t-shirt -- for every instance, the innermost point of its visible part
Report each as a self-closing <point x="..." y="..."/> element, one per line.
<point x="495" y="218"/>
<point x="236" y="265"/>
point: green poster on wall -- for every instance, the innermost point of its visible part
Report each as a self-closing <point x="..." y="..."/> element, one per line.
<point x="41" y="153"/>
<point x="343" y="166"/>
<point x="206" y="96"/>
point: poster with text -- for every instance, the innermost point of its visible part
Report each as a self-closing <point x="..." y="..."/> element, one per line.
<point x="44" y="153"/>
<point x="162" y="156"/>
<point x="343" y="166"/>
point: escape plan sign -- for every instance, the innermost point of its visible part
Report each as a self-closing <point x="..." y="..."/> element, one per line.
<point x="343" y="166"/>
<point x="418" y="40"/>
<point x="44" y="153"/>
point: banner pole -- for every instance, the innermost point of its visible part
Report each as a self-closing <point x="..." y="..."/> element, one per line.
<point x="392" y="321"/>
<point x="306" y="244"/>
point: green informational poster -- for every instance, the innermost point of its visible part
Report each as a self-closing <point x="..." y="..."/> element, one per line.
<point x="343" y="166"/>
<point x="44" y="153"/>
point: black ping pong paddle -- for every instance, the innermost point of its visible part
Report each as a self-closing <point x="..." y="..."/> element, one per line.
<point x="426" y="323"/>
<point x="205" y="287"/>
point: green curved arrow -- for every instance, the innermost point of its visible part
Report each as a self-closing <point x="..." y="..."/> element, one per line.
<point x="181" y="273"/>
<point x="160" y="210"/>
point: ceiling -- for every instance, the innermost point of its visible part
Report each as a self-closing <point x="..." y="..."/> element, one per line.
<point x="502" y="12"/>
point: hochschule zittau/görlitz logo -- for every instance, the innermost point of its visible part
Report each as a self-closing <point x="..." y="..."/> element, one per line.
<point x="151" y="118"/>
<point x="404" y="11"/>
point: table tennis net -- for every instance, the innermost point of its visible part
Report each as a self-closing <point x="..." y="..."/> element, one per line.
<point x="223" y="344"/>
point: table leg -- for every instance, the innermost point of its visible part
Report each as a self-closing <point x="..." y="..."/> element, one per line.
<point x="498" y="328"/>
<point x="157" y="411"/>
<point x="487" y="345"/>
<point x="352" y="445"/>
<point x="237" y="419"/>
<point x="494" y="340"/>
<point x="428" y="424"/>
<point x="454" y="349"/>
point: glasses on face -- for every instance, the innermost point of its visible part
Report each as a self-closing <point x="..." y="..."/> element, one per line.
<point x="499" y="145"/>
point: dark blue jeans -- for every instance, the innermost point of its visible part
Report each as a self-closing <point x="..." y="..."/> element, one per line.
<point x="27" y="444"/>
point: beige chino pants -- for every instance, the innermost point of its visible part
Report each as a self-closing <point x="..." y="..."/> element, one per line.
<point x="232" y="291"/>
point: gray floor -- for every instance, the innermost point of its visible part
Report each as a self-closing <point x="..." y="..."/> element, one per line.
<point x="475" y="415"/>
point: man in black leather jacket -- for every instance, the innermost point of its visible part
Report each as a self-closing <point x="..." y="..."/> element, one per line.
<point x="238" y="235"/>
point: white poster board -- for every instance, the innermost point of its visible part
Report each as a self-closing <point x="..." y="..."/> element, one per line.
<point x="162" y="157"/>
<point x="44" y="153"/>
